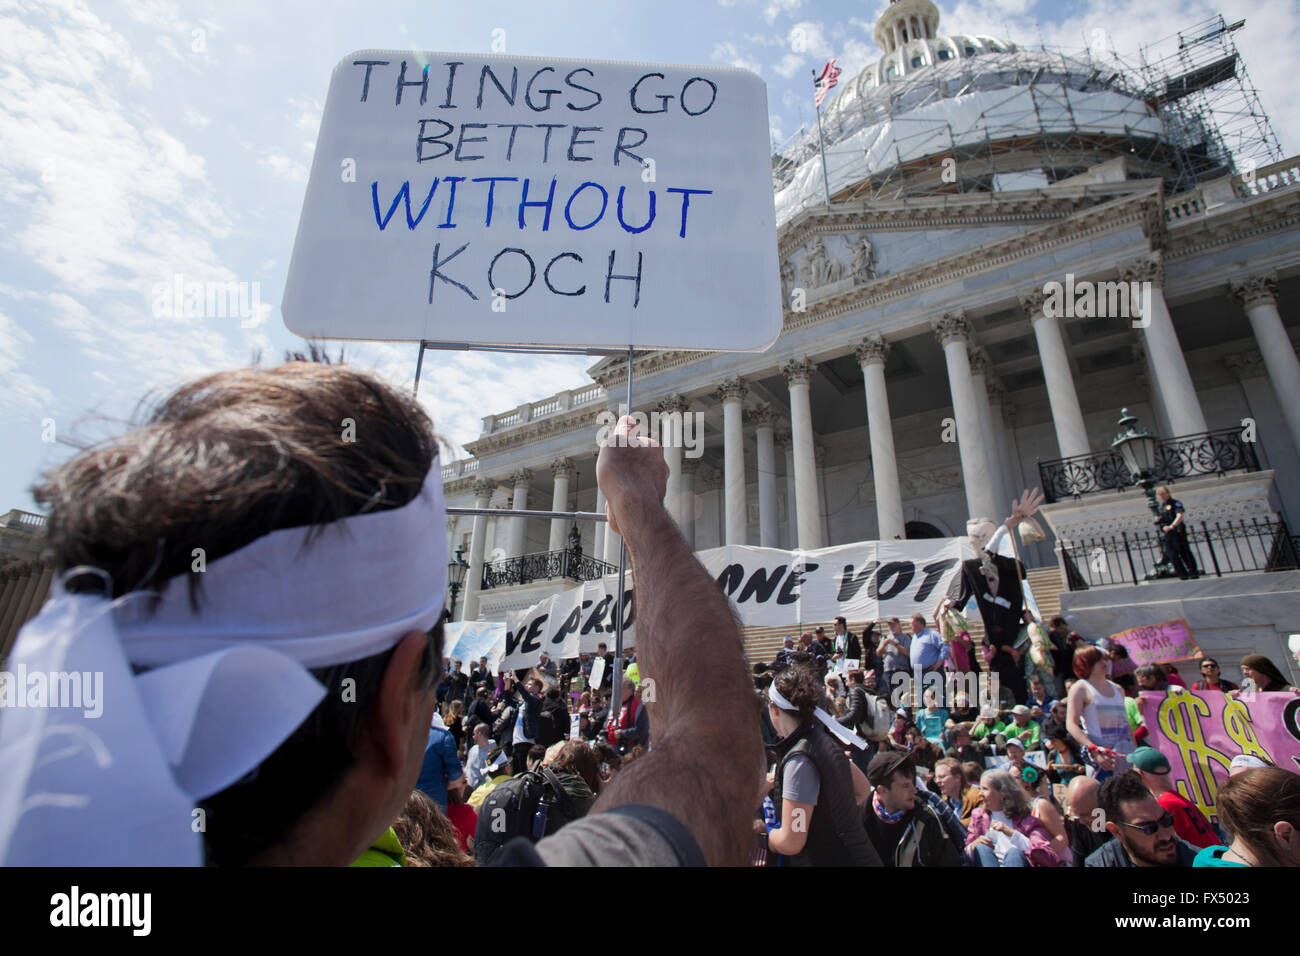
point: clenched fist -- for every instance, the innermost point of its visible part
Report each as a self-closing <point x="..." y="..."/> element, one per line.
<point x="632" y="473"/>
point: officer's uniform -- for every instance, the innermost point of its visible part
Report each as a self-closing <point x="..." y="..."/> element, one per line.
<point x="1174" y="543"/>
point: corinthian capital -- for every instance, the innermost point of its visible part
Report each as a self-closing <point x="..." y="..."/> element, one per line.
<point x="1148" y="268"/>
<point x="873" y="350"/>
<point x="1032" y="303"/>
<point x="979" y="361"/>
<point x="953" y="327"/>
<point x="1257" y="289"/>
<point x="733" y="389"/>
<point x="484" y="488"/>
<point x="798" y="372"/>
<point x="562" y="468"/>
<point x="523" y="476"/>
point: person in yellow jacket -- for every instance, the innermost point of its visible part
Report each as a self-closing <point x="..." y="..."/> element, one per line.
<point x="498" y="769"/>
<point x="386" y="851"/>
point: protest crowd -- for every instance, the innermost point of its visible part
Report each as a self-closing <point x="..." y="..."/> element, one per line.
<point x="334" y="733"/>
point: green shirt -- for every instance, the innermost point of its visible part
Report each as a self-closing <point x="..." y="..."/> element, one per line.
<point x="1030" y="735"/>
<point x="1134" y="714"/>
<point x="982" y="729"/>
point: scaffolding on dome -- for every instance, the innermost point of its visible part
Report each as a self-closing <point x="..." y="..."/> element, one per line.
<point x="1020" y="118"/>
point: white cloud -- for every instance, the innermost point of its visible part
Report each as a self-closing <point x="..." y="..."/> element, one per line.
<point x="776" y="8"/>
<point x="789" y="65"/>
<point x="730" y="54"/>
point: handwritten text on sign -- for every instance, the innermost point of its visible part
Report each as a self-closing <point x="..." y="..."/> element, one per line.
<point x="1159" y="643"/>
<point x="528" y="201"/>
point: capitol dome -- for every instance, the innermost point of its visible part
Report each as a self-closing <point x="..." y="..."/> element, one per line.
<point x="1002" y="117"/>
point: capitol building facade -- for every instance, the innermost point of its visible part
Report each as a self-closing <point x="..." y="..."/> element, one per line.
<point x="1017" y="246"/>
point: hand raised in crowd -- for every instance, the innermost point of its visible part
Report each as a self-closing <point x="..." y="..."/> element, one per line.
<point x="632" y="472"/>
<point x="1026" y="506"/>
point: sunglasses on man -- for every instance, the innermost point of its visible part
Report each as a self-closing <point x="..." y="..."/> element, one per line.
<point x="1151" y="829"/>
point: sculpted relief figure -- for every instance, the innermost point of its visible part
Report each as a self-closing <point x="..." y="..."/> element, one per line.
<point x="819" y="268"/>
<point x="862" y="267"/>
<point x="787" y="279"/>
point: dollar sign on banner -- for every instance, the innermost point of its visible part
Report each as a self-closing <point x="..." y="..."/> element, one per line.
<point x="1238" y="725"/>
<point x="1179" y="717"/>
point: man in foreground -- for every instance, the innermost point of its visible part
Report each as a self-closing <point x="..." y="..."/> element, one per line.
<point x="302" y="653"/>
<point x="1143" y="830"/>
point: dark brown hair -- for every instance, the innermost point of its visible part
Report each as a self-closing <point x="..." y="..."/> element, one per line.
<point x="427" y="836"/>
<point x="799" y="685"/>
<point x="578" y="758"/>
<point x="1252" y="801"/>
<point x="217" y="464"/>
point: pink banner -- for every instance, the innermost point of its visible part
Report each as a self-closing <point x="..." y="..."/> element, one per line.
<point x="1159" y="643"/>
<point x="1200" y="731"/>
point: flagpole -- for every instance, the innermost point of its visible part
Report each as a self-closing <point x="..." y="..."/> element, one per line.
<point x="826" y="183"/>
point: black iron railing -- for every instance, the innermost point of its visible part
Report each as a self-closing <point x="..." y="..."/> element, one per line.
<point x="1210" y="453"/>
<point x="542" y="565"/>
<point x="1221" y="547"/>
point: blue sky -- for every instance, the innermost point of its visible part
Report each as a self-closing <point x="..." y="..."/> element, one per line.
<point x="142" y="140"/>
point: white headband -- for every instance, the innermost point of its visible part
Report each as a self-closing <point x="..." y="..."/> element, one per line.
<point x="227" y="684"/>
<point x="843" y="733"/>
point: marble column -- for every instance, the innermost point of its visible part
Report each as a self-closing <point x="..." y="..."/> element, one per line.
<point x="1008" y="474"/>
<point x="598" y="545"/>
<point x="732" y="393"/>
<point x="786" y="441"/>
<point x="518" y="537"/>
<point x="670" y="437"/>
<point x="1258" y="296"/>
<point x="764" y="422"/>
<point x="979" y="373"/>
<point x="690" y="500"/>
<point x="1143" y="377"/>
<point x="1167" y="361"/>
<point x="798" y="375"/>
<point x="1071" y="433"/>
<point x="819" y="456"/>
<point x="954" y="333"/>
<point x="478" y="539"/>
<point x="890" y="523"/>
<point x="562" y="470"/>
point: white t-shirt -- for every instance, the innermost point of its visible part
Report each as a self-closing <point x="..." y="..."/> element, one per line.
<point x="1003" y="844"/>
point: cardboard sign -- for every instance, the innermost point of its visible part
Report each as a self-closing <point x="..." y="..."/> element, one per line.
<point x="1200" y="731"/>
<point x="538" y="201"/>
<point x="1159" y="643"/>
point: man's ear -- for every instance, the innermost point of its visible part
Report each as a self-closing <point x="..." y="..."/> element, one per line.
<point x="402" y="703"/>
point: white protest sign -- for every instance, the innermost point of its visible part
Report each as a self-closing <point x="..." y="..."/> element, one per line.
<point x="538" y="201"/>
<point x="597" y="673"/>
<point x="467" y="641"/>
<point x="575" y="726"/>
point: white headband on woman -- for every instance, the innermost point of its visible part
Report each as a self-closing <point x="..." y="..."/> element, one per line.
<point x="226" y="685"/>
<point x="845" y="735"/>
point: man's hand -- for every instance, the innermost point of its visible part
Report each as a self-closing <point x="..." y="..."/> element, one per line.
<point x="632" y="473"/>
<point x="1025" y="506"/>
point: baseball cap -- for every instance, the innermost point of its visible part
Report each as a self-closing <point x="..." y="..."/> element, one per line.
<point x="1015" y="742"/>
<point x="1249" y="761"/>
<point x="1149" y="759"/>
<point x="884" y="764"/>
<point x="1020" y="710"/>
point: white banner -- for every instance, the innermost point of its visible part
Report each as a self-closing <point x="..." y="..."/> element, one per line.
<point x="865" y="581"/>
<point x="467" y="641"/>
<point x="572" y="622"/>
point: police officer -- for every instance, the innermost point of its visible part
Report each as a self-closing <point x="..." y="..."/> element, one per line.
<point x="1171" y="517"/>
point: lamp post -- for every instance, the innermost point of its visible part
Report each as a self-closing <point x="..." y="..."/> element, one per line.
<point x="456" y="577"/>
<point x="1137" y="447"/>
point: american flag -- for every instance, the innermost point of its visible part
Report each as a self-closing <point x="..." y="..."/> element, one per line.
<point x="826" y="82"/>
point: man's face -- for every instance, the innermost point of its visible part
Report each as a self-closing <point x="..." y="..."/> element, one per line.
<point x="900" y="794"/>
<point x="1059" y="711"/>
<point x="628" y="690"/>
<point x="1022" y="720"/>
<point x="895" y="628"/>
<point x="534" y="686"/>
<point x="870" y="680"/>
<point x="1157" y="850"/>
<point x="839" y="629"/>
<point x="918" y="625"/>
<point x="1210" y="671"/>
<point x="1147" y="681"/>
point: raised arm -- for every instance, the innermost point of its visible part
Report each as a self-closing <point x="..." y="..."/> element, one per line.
<point x="706" y="764"/>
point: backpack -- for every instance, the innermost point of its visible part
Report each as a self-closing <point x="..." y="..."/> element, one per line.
<point x="531" y="805"/>
<point x="880" y="718"/>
